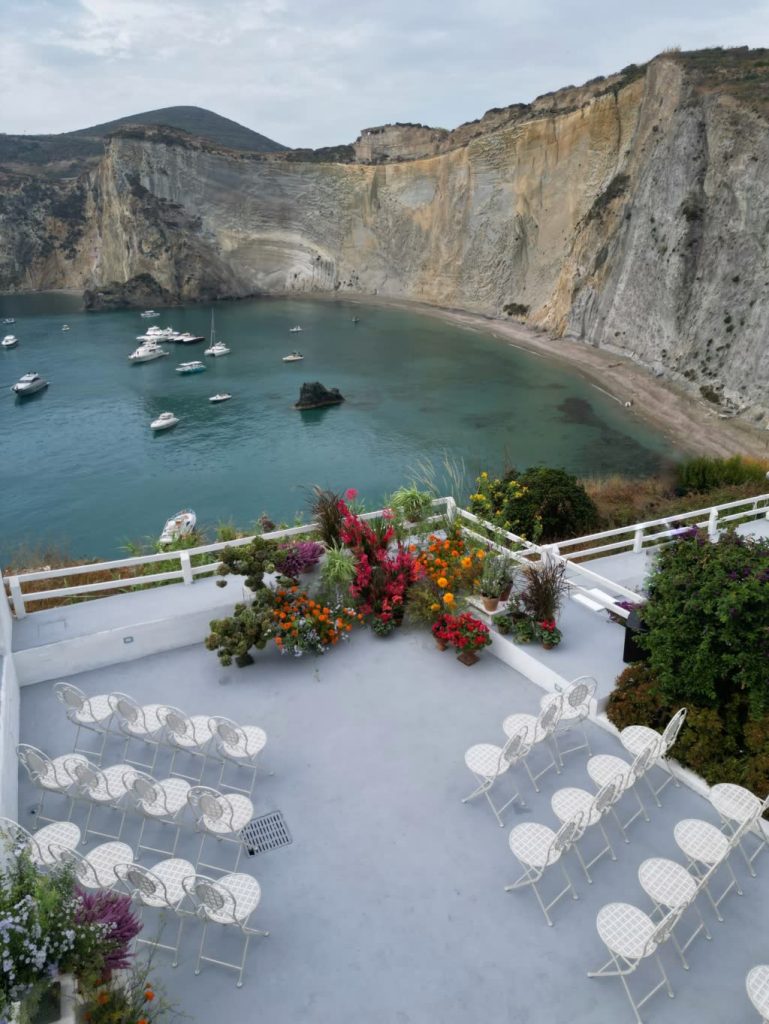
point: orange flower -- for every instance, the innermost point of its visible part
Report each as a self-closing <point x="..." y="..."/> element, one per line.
<point x="103" y="998"/>
<point x="435" y="607"/>
<point x="467" y="562"/>
<point x="149" y="995"/>
<point x="480" y="554"/>
<point x="448" y="598"/>
<point x="442" y="582"/>
<point x="142" y="1020"/>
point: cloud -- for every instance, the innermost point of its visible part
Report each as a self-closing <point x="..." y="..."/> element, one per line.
<point x="314" y="72"/>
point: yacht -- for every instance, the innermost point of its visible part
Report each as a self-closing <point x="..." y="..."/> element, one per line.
<point x="188" y="339"/>
<point x="295" y="330"/>
<point x="29" y="384"/>
<point x="221" y="397"/>
<point x="194" y="367"/>
<point x="149" y="314"/>
<point x="216" y="348"/>
<point x="178" y="526"/>
<point x="65" y="327"/>
<point x="9" y="341"/>
<point x="146" y="352"/>
<point x="159" y="334"/>
<point x="9" y="320"/>
<point x="164" y="421"/>
<point x="293" y="357"/>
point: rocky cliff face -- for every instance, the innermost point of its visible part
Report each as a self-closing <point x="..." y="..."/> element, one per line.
<point x="632" y="213"/>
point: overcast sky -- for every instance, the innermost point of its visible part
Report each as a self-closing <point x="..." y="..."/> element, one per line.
<point x="314" y="72"/>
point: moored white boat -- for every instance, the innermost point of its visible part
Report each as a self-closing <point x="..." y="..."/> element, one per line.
<point x="295" y="330"/>
<point x="216" y="348"/>
<point x="178" y="526"/>
<point x="293" y="357"/>
<point x="29" y="384"/>
<point x="65" y="327"/>
<point x="188" y="339"/>
<point x="165" y="421"/>
<point x="9" y="320"/>
<point x="147" y="352"/>
<point x="224" y="396"/>
<point x="194" y="367"/>
<point x="148" y="314"/>
<point x="9" y="341"/>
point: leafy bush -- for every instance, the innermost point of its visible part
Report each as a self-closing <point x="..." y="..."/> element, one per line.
<point x="250" y="560"/>
<point x="249" y="626"/>
<point x="298" y="557"/>
<point x="544" y="587"/>
<point x="705" y="474"/>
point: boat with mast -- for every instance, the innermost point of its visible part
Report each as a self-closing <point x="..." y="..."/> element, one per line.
<point x="216" y="348"/>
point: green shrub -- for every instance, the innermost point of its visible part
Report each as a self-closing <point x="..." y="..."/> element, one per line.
<point x="636" y="700"/>
<point x="705" y="474"/>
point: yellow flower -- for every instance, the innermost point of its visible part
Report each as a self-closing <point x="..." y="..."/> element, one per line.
<point x="484" y="475"/>
<point x="435" y="607"/>
<point x="466" y="562"/>
<point x="448" y="598"/>
<point x="442" y="582"/>
<point x="480" y="554"/>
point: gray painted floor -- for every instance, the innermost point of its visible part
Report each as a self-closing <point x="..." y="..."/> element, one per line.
<point x="388" y="908"/>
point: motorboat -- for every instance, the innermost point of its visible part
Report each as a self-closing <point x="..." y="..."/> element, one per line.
<point x="355" y="320"/>
<point x="9" y="341"/>
<point x="295" y="330"/>
<point x="165" y="421"/>
<point x="194" y="367"/>
<point x="65" y="327"/>
<point x="159" y="334"/>
<point x="149" y="314"/>
<point x="188" y="339"/>
<point x="293" y="357"/>
<point x="147" y="352"/>
<point x="9" y="320"/>
<point x="216" y="348"/>
<point x="178" y="526"/>
<point x="222" y="397"/>
<point x="29" y="384"/>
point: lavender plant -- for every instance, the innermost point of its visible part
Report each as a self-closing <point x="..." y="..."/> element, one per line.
<point x="298" y="557"/>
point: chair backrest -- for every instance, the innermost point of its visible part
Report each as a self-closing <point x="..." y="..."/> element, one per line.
<point x="645" y="759"/>
<point x="206" y="802"/>
<point x="516" y="747"/>
<point x="566" y="836"/>
<point x="84" y="872"/>
<point x="144" y="882"/>
<point x="227" y="733"/>
<point x="549" y="717"/>
<point x="580" y="691"/>
<point x="126" y="707"/>
<point x="144" y="788"/>
<point x="69" y="695"/>
<point x="750" y="822"/>
<point x="37" y="764"/>
<point x="87" y="777"/>
<point x="210" y="895"/>
<point x="663" y="931"/>
<point x="176" y="721"/>
<point x="607" y="796"/>
<point x="672" y="729"/>
<point x="16" y="834"/>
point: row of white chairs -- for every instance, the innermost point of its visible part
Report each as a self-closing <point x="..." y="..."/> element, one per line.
<point x="122" y="788"/>
<point x="158" y="726"/>
<point x="166" y="887"/>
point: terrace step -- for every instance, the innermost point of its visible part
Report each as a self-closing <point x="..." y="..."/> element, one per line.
<point x="594" y="606"/>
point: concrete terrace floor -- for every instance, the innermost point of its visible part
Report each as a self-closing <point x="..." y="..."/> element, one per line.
<point x="388" y="908"/>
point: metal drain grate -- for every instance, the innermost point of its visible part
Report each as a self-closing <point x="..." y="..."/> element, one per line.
<point x="268" y="832"/>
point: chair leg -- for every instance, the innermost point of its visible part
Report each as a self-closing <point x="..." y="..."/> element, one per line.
<point x="239" y="983"/>
<point x="179" y="930"/>
<point x="200" y="950"/>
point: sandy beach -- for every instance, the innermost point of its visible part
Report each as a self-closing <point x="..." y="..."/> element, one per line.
<point x="692" y="424"/>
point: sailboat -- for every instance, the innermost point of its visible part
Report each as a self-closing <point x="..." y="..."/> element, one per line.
<point x="216" y="348"/>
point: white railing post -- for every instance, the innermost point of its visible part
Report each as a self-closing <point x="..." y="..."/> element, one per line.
<point x="451" y="509"/>
<point x="713" y="524"/>
<point x="17" y="598"/>
<point x="184" y="558"/>
<point x="638" y="540"/>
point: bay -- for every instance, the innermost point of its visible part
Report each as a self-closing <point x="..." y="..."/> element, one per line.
<point x="81" y="469"/>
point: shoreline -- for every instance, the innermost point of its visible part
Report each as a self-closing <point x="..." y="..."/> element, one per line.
<point x="690" y="423"/>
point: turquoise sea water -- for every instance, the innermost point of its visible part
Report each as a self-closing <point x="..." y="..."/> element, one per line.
<point x="80" y="467"/>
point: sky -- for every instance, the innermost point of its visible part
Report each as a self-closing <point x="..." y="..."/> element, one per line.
<point x="315" y="72"/>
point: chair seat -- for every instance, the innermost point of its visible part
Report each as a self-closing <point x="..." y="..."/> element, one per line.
<point x="624" y="929"/>
<point x="64" y="834"/>
<point x="735" y="803"/>
<point x="103" y="859"/>
<point x="197" y="737"/>
<point x="176" y="791"/>
<point x="532" y="844"/>
<point x="603" y="768"/>
<point x="58" y="777"/>
<point x="95" y="712"/>
<point x="570" y="801"/>
<point x="484" y="759"/>
<point x="569" y="712"/>
<point x="757" y="985"/>
<point x="150" y="724"/>
<point x="514" y="723"/>
<point x="635" y="738"/>
<point x="242" y="812"/>
<point x="701" y="841"/>
<point x="256" y="739"/>
<point x="667" y="882"/>
<point x="246" y="892"/>
<point x="171" y="873"/>
<point x="115" y="786"/>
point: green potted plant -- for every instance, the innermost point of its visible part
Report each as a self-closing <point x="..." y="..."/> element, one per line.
<point x="524" y="629"/>
<point x="548" y="634"/>
<point x="544" y="589"/>
<point x="466" y="634"/>
<point x="337" y="572"/>
<point x="494" y="579"/>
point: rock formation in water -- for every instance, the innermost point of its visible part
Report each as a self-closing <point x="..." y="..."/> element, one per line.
<point x="316" y="396"/>
<point x="632" y="212"/>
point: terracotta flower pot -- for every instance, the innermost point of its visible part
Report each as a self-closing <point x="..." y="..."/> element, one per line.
<point x="490" y="603"/>
<point x="441" y="645"/>
<point x="547" y="646"/>
<point x="506" y="593"/>
<point x="467" y="657"/>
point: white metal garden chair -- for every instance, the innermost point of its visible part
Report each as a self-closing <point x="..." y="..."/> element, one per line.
<point x="97" y="869"/>
<point x="577" y="699"/>
<point x="137" y="722"/>
<point x="707" y="848"/>
<point x="161" y="800"/>
<point x="488" y="762"/>
<point x="569" y="802"/>
<point x="240" y="745"/>
<point x="540" y="729"/>
<point x="48" y="775"/>
<point x="91" y="713"/>
<point x="635" y="737"/>
<point x="734" y="805"/>
<point x="99" y="787"/>
<point x="631" y="936"/>
<point x="62" y="835"/>
<point x="220" y="816"/>
<point x="671" y="887"/>
<point x="757" y="986"/>
<point x="536" y="847"/>
<point x="228" y="901"/>
<point x="603" y="768"/>
<point x="162" y="889"/>
<point x="185" y="734"/>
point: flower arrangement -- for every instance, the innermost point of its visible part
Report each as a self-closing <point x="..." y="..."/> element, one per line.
<point x="463" y="632"/>
<point x="449" y="566"/>
<point x="548" y="634"/>
<point x="294" y="559"/>
<point x="301" y="625"/>
<point x="496" y="577"/>
<point x="133" y="999"/>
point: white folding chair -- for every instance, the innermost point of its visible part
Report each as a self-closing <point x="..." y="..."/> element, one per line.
<point x="536" y="847"/>
<point x="734" y="805"/>
<point x="228" y="901"/>
<point x="162" y="889"/>
<point x="63" y="835"/>
<point x="603" y="768"/>
<point x="757" y="985"/>
<point x="187" y="735"/>
<point x="99" y="787"/>
<point x="48" y="775"/>
<point x="240" y="745"/>
<point x="577" y="698"/>
<point x="569" y="802"/>
<point x="137" y="722"/>
<point x="161" y="800"/>
<point x="671" y="887"/>
<point x="635" y="737"/>
<point x="97" y="869"/>
<point x="707" y="848"/>
<point x="488" y="762"/>
<point x="91" y="713"/>
<point x="220" y="816"/>
<point x="540" y="729"/>
<point x="631" y="936"/>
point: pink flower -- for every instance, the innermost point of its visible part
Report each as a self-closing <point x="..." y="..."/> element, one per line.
<point x="388" y="513"/>
<point x="351" y="494"/>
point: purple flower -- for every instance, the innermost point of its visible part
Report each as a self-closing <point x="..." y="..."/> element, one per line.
<point x="121" y="926"/>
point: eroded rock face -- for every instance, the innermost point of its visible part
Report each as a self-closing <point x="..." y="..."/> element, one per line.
<point x="632" y="213"/>
<point x="316" y="396"/>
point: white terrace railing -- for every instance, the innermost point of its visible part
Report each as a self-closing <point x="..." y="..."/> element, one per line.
<point x="595" y="590"/>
